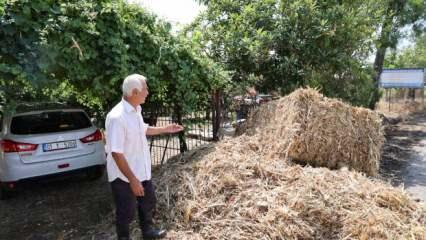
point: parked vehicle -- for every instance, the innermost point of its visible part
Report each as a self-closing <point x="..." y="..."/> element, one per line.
<point x="43" y="139"/>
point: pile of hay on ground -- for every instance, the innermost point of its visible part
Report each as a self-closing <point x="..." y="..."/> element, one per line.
<point x="234" y="192"/>
<point x="310" y="128"/>
<point x="246" y="187"/>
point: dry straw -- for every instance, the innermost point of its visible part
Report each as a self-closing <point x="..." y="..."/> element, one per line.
<point x="313" y="129"/>
<point x="246" y="187"/>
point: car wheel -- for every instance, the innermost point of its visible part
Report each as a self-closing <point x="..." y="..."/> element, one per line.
<point x="96" y="172"/>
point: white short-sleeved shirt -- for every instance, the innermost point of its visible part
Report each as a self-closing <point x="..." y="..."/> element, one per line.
<point x="126" y="134"/>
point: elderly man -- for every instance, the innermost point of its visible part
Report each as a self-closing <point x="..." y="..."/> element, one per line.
<point x="129" y="162"/>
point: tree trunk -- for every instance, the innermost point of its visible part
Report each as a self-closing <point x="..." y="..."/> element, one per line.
<point x="378" y="64"/>
<point x="382" y="45"/>
<point x="394" y="9"/>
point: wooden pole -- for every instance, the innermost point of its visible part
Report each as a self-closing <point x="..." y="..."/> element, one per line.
<point x="388" y="96"/>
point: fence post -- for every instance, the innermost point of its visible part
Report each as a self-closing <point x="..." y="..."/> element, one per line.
<point x="216" y="112"/>
<point x="182" y="143"/>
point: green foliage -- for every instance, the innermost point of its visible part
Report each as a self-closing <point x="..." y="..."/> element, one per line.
<point x="357" y="82"/>
<point x="282" y="45"/>
<point x="2" y="4"/>
<point x="397" y="14"/>
<point x="82" y="50"/>
<point x="411" y="57"/>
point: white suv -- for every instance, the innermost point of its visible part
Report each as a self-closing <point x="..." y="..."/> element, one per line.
<point x="42" y="140"/>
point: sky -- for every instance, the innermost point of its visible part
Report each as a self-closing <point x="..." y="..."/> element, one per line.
<point x="177" y="12"/>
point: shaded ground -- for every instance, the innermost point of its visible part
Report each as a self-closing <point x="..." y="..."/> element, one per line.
<point x="404" y="155"/>
<point x="62" y="209"/>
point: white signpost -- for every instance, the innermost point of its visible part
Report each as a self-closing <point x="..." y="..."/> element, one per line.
<point x="403" y="78"/>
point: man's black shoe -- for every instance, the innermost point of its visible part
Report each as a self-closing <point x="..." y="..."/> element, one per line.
<point x="153" y="234"/>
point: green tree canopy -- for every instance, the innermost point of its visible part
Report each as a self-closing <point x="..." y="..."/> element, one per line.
<point x="396" y="15"/>
<point x="83" y="50"/>
<point x="283" y="44"/>
<point x="411" y="57"/>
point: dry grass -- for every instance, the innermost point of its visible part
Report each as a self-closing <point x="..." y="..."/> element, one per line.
<point x="233" y="192"/>
<point x="400" y="108"/>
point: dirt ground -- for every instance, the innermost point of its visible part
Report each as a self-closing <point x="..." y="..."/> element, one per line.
<point x="65" y="208"/>
<point x="404" y="155"/>
<point x="75" y="208"/>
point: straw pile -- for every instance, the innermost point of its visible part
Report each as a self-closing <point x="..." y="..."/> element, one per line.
<point x="245" y="187"/>
<point x="233" y="192"/>
<point x="310" y="128"/>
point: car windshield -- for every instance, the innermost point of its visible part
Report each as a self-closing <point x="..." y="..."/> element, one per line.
<point x="49" y="122"/>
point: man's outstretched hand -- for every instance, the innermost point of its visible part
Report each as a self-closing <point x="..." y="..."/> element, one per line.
<point x="173" y="128"/>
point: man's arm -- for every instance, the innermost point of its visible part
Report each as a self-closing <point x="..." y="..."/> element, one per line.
<point x="155" y="131"/>
<point x="135" y="185"/>
<point x="172" y="128"/>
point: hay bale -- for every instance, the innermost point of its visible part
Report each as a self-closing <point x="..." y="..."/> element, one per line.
<point x="319" y="131"/>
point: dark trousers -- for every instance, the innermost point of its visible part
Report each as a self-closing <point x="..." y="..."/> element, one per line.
<point x="125" y="205"/>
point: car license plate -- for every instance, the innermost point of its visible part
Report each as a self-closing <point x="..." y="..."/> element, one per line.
<point x="47" y="147"/>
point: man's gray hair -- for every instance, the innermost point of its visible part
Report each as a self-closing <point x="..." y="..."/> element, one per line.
<point x="132" y="82"/>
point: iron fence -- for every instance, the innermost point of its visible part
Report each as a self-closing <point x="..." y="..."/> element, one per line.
<point x="220" y="118"/>
<point x="198" y="130"/>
